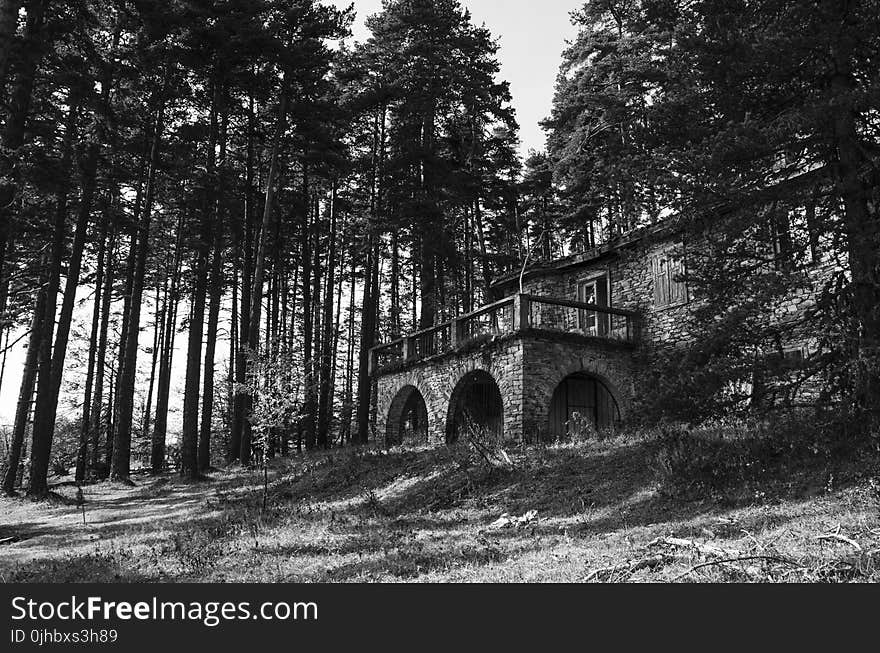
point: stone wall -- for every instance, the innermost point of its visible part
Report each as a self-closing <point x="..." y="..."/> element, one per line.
<point x="527" y="369"/>
<point x="548" y="360"/>
<point x="437" y="379"/>
<point x="631" y="288"/>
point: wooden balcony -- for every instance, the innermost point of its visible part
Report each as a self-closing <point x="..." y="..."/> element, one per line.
<point x="511" y="315"/>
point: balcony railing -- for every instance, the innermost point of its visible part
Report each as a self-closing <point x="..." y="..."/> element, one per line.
<point x="510" y="315"/>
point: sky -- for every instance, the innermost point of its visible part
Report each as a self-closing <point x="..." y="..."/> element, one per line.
<point x="532" y="36"/>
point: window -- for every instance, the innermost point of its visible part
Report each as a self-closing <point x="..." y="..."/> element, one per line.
<point x="666" y="268"/>
<point x="804" y="232"/>
<point x="595" y="290"/>
<point x="789" y="358"/>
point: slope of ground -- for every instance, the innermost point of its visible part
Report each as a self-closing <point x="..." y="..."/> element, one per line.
<point x="587" y="512"/>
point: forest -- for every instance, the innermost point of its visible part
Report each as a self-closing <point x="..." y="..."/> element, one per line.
<point x="212" y="210"/>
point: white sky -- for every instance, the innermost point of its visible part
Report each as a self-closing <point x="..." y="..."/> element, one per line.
<point x="532" y="35"/>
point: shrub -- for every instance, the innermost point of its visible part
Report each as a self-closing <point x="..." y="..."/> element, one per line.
<point x="736" y="460"/>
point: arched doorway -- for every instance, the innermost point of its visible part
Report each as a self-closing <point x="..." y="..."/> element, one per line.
<point x="581" y="401"/>
<point x="407" y="418"/>
<point x="476" y="403"/>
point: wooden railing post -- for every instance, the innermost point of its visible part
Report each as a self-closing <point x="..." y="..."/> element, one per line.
<point x="408" y="349"/>
<point x="522" y="311"/>
<point x="454" y="333"/>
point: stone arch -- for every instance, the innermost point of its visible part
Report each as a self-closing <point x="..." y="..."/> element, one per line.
<point x="407" y="419"/>
<point x="557" y="363"/>
<point x="581" y="400"/>
<point x="476" y="398"/>
<point x="391" y="390"/>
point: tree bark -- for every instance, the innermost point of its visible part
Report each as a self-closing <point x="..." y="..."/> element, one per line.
<point x="45" y="404"/>
<point x="120" y="469"/>
<point x="327" y="347"/>
<point x="95" y="427"/>
<point x="160" y="425"/>
<point x="83" y="450"/>
<point x="862" y="225"/>
<point x="260" y="259"/>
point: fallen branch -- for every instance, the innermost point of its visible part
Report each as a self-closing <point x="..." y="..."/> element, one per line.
<point x="840" y="538"/>
<point x="705" y="549"/>
<point x="644" y="563"/>
<point x="740" y="559"/>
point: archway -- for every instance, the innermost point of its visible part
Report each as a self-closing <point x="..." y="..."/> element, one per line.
<point x="407" y="418"/>
<point x="475" y="403"/>
<point x="579" y="402"/>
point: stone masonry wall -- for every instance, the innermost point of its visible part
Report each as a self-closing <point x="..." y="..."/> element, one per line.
<point x="632" y="288"/>
<point x="436" y="379"/>
<point x="548" y="361"/>
<point x="527" y="369"/>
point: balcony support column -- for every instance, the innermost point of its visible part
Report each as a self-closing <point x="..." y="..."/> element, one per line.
<point x="521" y="312"/>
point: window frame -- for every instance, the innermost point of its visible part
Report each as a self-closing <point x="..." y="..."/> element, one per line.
<point x="593" y="279"/>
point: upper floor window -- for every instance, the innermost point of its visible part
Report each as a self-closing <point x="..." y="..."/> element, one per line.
<point x="666" y="270"/>
<point x="594" y="290"/>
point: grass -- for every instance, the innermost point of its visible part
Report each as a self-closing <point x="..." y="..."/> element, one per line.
<point x="602" y="510"/>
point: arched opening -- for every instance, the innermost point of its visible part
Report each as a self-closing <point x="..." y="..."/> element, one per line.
<point x="475" y="404"/>
<point x="581" y="402"/>
<point x="407" y="418"/>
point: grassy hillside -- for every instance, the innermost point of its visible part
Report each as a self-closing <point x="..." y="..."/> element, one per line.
<point x="620" y="509"/>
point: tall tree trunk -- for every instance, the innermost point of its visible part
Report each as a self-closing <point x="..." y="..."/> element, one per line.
<point x="33" y="48"/>
<point x="44" y="427"/>
<point x="189" y="449"/>
<point x="97" y="422"/>
<point x="368" y="340"/>
<point x="210" y="347"/>
<point x="160" y="304"/>
<point x="120" y="469"/>
<point x="160" y="426"/>
<point x="45" y="404"/>
<point x="83" y="450"/>
<point x="130" y="267"/>
<point x="260" y="260"/>
<point x="327" y="346"/>
<point x="862" y="225"/>
<point x="337" y="321"/>
<point x="396" y="329"/>
<point x="312" y="360"/>
<point x="240" y="439"/>
<point x="348" y="394"/>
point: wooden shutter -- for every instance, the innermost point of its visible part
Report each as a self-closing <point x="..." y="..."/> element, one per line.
<point x="602" y="299"/>
<point x="660" y="272"/>
<point x="665" y="269"/>
<point x="677" y="289"/>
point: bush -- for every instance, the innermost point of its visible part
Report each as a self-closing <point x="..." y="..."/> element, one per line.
<point x="741" y="460"/>
<point x="481" y="446"/>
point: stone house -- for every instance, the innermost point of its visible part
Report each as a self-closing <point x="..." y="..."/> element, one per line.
<point x="559" y="349"/>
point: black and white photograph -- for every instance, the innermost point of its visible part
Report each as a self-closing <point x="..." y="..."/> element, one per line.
<point x="477" y="292"/>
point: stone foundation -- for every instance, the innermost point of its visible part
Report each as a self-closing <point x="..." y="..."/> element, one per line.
<point x="527" y="367"/>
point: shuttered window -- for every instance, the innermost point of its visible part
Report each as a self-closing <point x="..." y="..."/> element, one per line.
<point x="666" y="269"/>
